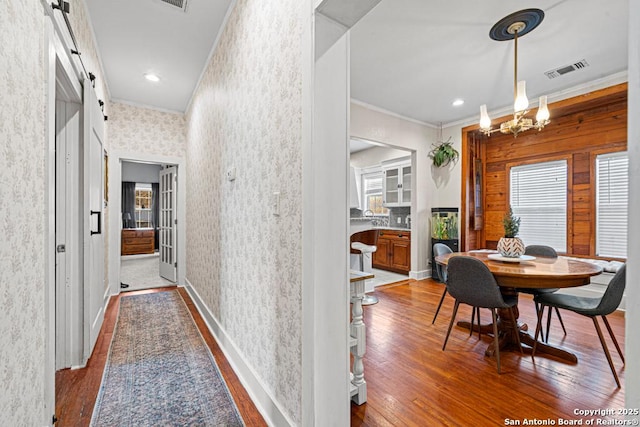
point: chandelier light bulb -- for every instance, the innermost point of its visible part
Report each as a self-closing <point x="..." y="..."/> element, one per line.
<point x="543" y="111"/>
<point x="521" y="103"/>
<point x="485" y="121"/>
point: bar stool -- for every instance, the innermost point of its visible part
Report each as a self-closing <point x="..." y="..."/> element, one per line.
<point x="366" y="252"/>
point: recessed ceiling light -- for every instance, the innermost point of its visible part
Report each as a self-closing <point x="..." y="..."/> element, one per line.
<point x="152" y="77"/>
<point x="458" y="102"/>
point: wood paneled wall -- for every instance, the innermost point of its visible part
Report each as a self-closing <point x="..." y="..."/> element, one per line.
<point x="580" y="128"/>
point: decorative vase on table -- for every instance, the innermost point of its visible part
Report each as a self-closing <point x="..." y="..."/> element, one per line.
<point x="511" y="246"/>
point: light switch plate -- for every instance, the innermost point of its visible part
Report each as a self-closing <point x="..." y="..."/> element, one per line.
<point x="276" y="203"/>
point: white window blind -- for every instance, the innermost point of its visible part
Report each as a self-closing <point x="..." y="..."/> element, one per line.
<point x="538" y="195"/>
<point x="612" y="188"/>
<point x="372" y="193"/>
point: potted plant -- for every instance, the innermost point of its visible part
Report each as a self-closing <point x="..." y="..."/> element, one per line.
<point x="443" y="153"/>
<point x="511" y="246"/>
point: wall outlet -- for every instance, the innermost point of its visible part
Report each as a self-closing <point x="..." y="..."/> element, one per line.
<point x="231" y="174"/>
<point x="399" y="220"/>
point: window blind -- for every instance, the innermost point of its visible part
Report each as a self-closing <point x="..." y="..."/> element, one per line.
<point x="538" y="195"/>
<point x="612" y="188"/>
<point x="372" y="193"/>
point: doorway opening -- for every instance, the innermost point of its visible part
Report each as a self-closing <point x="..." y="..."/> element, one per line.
<point x="381" y="207"/>
<point x="148" y="225"/>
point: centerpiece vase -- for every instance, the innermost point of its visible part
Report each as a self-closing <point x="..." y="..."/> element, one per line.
<point x="511" y="247"/>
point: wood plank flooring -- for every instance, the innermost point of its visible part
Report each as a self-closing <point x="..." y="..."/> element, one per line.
<point x="412" y="382"/>
<point x="76" y="390"/>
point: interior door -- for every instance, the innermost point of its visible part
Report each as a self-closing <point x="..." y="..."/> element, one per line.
<point x="94" y="281"/>
<point x="168" y="220"/>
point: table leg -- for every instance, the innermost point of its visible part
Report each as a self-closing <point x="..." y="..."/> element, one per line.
<point x="507" y="333"/>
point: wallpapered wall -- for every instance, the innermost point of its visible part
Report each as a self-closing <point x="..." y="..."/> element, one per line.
<point x="22" y="221"/>
<point x="142" y="130"/>
<point x="22" y="201"/>
<point x="244" y="261"/>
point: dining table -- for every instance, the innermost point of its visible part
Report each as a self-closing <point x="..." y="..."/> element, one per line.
<point x="512" y="274"/>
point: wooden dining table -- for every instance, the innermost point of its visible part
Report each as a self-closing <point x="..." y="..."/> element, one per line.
<point x="539" y="272"/>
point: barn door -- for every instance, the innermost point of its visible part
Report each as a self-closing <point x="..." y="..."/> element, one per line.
<point x="94" y="281"/>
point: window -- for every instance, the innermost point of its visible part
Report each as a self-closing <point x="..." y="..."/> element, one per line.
<point x="539" y="197"/>
<point x="612" y="187"/>
<point x="143" y="205"/>
<point x="372" y="193"/>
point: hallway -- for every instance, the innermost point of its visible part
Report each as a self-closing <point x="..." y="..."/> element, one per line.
<point x="77" y="389"/>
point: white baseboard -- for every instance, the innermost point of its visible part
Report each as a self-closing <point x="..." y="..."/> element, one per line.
<point x="419" y="275"/>
<point x="265" y="403"/>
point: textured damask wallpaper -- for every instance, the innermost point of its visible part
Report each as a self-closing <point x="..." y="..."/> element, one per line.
<point x="22" y="220"/>
<point x="79" y="18"/>
<point x="142" y="130"/>
<point x="244" y="261"/>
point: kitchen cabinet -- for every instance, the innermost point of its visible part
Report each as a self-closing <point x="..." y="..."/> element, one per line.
<point x="396" y="185"/>
<point x="137" y="241"/>
<point x="394" y="251"/>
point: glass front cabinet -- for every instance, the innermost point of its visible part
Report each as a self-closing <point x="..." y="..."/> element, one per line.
<point x="396" y="185"/>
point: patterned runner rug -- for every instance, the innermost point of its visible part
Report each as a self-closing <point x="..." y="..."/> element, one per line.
<point x="159" y="371"/>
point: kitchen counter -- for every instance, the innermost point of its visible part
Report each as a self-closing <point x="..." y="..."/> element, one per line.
<point x="357" y="225"/>
<point x="392" y="228"/>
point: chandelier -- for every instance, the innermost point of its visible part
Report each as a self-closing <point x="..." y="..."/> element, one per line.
<point x="509" y="28"/>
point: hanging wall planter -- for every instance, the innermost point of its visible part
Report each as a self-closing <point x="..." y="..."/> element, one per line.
<point x="443" y="153"/>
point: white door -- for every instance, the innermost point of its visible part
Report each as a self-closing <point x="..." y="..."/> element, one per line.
<point x="168" y="220"/>
<point x="94" y="283"/>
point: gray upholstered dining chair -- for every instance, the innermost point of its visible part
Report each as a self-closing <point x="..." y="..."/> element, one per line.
<point x="470" y="282"/>
<point x="441" y="270"/>
<point x="545" y="251"/>
<point x="589" y="307"/>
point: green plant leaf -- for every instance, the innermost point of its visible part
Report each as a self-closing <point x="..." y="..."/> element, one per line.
<point x="444" y="153"/>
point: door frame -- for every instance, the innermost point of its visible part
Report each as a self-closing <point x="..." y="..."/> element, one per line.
<point x="58" y="67"/>
<point x="116" y="158"/>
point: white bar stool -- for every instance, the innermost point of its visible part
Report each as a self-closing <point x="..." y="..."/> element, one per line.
<point x="365" y="266"/>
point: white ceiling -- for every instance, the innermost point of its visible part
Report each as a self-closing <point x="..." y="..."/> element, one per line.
<point x="139" y="36"/>
<point x="414" y="57"/>
<point x="410" y="57"/>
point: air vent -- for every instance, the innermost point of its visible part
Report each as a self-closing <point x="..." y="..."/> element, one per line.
<point x="567" y="69"/>
<point x="178" y="4"/>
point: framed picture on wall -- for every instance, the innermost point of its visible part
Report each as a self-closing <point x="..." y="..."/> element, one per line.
<point x="106" y="178"/>
<point x="477" y="194"/>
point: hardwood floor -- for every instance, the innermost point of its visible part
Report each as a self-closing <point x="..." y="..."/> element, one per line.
<point x="76" y="390"/>
<point x="412" y="382"/>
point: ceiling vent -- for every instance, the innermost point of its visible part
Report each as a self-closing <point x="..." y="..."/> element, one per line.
<point x="567" y="69"/>
<point x="177" y="4"/>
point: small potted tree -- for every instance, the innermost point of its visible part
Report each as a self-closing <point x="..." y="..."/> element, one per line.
<point x="511" y="246"/>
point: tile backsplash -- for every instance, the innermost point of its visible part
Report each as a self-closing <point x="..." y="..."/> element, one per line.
<point x="399" y="213"/>
<point x="388" y="221"/>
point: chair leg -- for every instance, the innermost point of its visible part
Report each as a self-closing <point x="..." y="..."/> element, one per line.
<point x="453" y="317"/>
<point x="478" y="317"/>
<point x="606" y="351"/>
<point x="496" y="338"/>
<point x="538" y="327"/>
<point x="561" y="322"/>
<point x="613" y="337"/>
<point x="444" y="294"/>
<point x="515" y="326"/>
<point x="473" y="315"/>
<point x="548" y="326"/>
